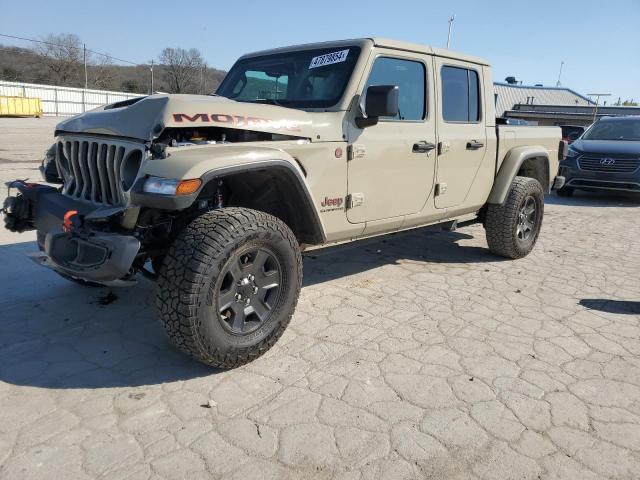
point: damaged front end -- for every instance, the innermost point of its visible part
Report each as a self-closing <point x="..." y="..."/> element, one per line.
<point x="127" y="178"/>
<point x="74" y="240"/>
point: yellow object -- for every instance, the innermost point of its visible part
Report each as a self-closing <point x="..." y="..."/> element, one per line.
<point x="20" y="107"/>
<point x="187" y="187"/>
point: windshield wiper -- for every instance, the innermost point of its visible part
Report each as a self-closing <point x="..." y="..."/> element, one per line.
<point x="266" y="101"/>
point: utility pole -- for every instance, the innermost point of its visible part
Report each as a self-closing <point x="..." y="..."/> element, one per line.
<point x="151" y="70"/>
<point x="201" y="78"/>
<point x="453" y="17"/>
<point x="560" y="74"/>
<point x="84" y="58"/>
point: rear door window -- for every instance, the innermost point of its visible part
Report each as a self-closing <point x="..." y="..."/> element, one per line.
<point x="460" y="95"/>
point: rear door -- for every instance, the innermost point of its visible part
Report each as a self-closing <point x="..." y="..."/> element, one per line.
<point x="392" y="168"/>
<point x="462" y="142"/>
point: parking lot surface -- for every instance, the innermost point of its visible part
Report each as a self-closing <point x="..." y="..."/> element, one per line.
<point x="417" y="356"/>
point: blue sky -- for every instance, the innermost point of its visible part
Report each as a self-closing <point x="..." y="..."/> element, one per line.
<point x="599" y="41"/>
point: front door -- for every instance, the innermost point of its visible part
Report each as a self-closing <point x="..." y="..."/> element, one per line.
<point x="392" y="164"/>
<point x="461" y="131"/>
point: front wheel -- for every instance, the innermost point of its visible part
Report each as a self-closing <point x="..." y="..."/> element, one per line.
<point x="513" y="227"/>
<point x="228" y="286"/>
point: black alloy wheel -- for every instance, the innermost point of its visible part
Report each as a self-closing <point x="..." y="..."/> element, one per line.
<point x="249" y="290"/>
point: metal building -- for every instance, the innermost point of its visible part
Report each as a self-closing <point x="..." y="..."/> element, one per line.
<point x="63" y="101"/>
<point x="583" y="115"/>
<point x="509" y="95"/>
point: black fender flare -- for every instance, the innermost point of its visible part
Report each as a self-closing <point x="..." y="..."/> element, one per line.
<point x="180" y="202"/>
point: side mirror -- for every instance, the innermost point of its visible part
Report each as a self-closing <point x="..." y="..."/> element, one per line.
<point x="380" y="101"/>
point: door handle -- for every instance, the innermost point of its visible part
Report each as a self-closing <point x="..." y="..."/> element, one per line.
<point x="423" y="147"/>
<point x="474" y="145"/>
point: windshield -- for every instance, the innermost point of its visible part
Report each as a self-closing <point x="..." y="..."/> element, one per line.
<point x="627" y="129"/>
<point x="305" y="79"/>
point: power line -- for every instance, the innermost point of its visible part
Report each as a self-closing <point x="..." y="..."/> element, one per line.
<point x="79" y="48"/>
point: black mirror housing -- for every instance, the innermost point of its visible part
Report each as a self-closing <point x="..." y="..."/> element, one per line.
<point x="381" y="101"/>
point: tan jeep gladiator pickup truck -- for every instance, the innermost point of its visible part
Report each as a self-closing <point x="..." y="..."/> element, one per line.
<point x="215" y="197"/>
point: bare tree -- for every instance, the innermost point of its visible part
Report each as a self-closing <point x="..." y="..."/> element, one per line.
<point x="63" y="58"/>
<point x="182" y="69"/>
<point x="102" y="74"/>
<point x="28" y="65"/>
<point x="9" y="73"/>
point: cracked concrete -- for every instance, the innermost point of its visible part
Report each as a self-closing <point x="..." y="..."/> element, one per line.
<point x="417" y="356"/>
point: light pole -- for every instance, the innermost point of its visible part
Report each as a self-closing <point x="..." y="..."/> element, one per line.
<point x="597" y="95"/>
<point x="560" y="74"/>
<point x="453" y="17"/>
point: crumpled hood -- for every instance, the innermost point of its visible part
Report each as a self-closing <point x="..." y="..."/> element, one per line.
<point x="146" y="118"/>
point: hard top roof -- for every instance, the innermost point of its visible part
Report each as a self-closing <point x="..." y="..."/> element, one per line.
<point x="379" y="42"/>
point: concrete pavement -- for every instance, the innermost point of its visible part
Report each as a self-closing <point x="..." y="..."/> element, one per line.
<point x="417" y="356"/>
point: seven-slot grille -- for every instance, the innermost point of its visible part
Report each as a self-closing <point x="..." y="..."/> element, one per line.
<point x="98" y="170"/>
<point x="617" y="163"/>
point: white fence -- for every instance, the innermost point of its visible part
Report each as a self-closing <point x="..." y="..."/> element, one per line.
<point x="63" y="101"/>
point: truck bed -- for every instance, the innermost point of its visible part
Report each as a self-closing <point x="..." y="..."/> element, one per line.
<point x="510" y="136"/>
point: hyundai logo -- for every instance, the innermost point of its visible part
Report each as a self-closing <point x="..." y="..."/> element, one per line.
<point x="607" y="161"/>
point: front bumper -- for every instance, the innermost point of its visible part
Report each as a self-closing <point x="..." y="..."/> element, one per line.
<point x="558" y="182"/>
<point x="578" y="178"/>
<point x="81" y="250"/>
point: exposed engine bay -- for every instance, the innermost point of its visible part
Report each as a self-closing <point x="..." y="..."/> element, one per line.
<point x="182" y="137"/>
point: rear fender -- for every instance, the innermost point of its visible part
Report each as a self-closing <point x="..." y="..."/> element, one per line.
<point x="510" y="167"/>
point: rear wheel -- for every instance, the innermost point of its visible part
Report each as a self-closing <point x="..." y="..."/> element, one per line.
<point x="228" y="286"/>
<point x="513" y="227"/>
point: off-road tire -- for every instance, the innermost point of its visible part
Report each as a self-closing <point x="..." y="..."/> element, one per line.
<point x="191" y="273"/>
<point x="501" y="221"/>
<point x="565" y="192"/>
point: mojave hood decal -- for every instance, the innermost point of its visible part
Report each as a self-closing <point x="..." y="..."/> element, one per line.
<point x="145" y="119"/>
<point x="238" y="121"/>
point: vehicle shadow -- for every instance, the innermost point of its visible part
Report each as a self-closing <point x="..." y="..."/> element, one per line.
<point x="425" y="245"/>
<point x="626" y="307"/>
<point x="56" y="334"/>
<point x="583" y="198"/>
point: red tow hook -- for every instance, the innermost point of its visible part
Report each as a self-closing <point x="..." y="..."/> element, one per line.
<point x="67" y="222"/>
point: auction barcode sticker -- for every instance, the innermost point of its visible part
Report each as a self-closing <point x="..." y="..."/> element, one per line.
<point x="329" y="58"/>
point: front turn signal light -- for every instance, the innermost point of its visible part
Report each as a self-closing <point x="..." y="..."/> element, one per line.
<point x="187" y="187"/>
<point x="167" y="186"/>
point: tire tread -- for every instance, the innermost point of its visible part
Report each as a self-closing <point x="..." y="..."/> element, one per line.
<point x="500" y="219"/>
<point x="183" y="276"/>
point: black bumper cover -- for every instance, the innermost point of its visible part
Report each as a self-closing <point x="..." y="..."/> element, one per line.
<point x="84" y="252"/>
<point x="599" y="180"/>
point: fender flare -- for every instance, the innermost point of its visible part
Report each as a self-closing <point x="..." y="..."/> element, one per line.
<point x="509" y="170"/>
<point x="295" y="174"/>
<point x="180" y="202"/>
